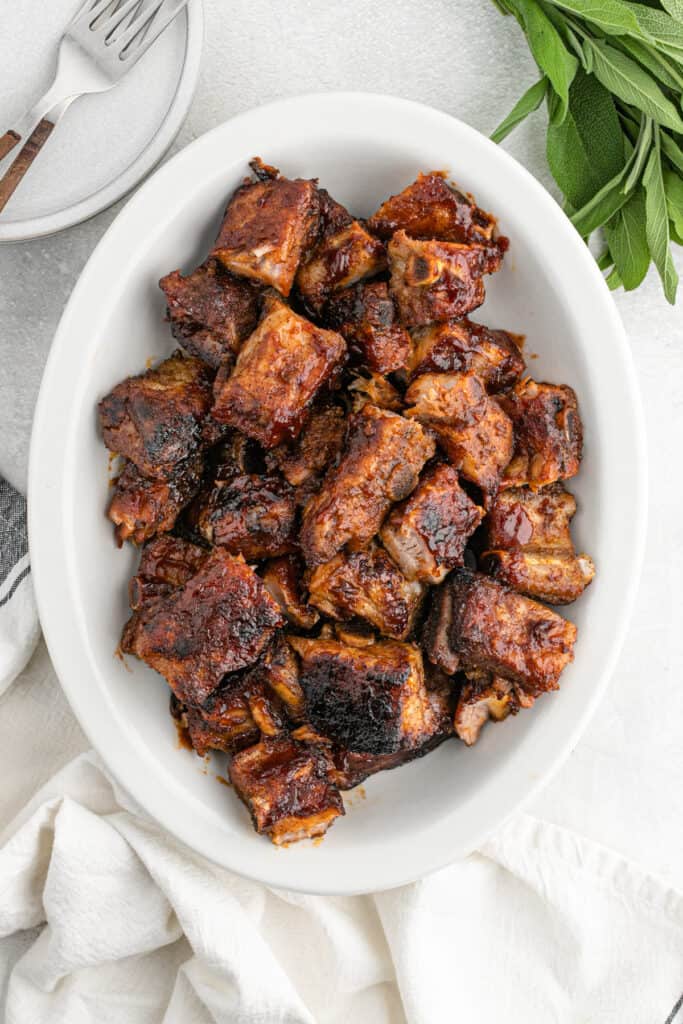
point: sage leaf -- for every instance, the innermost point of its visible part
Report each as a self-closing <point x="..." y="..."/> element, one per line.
<point x="627" y="80"/>
<point x="612" y="16"/>
<point x="614" y="280"/>
<point x="640" y="154"/>
<point x="587" y="149"/>
<point x="571" y="39"/>
<point x="654" y="62"/>
<point x="630" y="124"/>
<point x="657" y="223"/>
<point x="672" y="151"/>
<point x="530" y="101"/>
<point x="627" y="241"/>
<point x="675" y="8"/>
<point x="548" y="49"/>
<point x="604" y="260"/>
<point x="659" y="25"/>
<point x="603" y="205"/>
<point x="673" y="187"/>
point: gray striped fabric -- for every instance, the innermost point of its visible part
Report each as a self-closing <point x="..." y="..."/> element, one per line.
<point x="676" y="1014"/>
<point x="19" y="627"/>
<point x="14" y="566"/>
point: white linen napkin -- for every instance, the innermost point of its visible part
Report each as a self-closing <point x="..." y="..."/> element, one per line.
<point x="105" y="918"/>
<point x="19" y="630"/>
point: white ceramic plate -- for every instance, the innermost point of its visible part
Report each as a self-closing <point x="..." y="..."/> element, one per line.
<point x="105" y="144"/>
<point x="362" y="147"/>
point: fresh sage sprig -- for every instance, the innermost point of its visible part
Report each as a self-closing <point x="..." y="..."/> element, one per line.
<point x="612" y="80"/>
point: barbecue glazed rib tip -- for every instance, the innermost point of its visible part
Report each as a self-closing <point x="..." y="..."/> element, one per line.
<point x="281" y="368"/>
<point x="339" y="261"/>
<point x="250" y="515"/>
<point x="141" y="508"/>
<point x="367" y="585"/>
<point x="223" y="722"/>
<point x="380" y="465"/>
<point x="476" y="623"/>
<point x="433" y="281"/>
<point x="220" y="620"/>
<point x="471" y="428"/>
<point x="431" y="208"/>
<point x="426" y="534"/>
<point x="548" y="434"/>
<point x="529" y="544"/>
<point x="210" y="311"/>
<point x="366" y="317"/>
<point x="463" y="346"/>
<point x="268" y="228"/>
<point x="155" y="419"/>
<point x="285" y="786"/>
<point x="371" y="699"/>
<point x="315" y="449"/>
<point x="166" y="564"/>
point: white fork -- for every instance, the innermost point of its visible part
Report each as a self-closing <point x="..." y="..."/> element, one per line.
<point x="103" y="41"/>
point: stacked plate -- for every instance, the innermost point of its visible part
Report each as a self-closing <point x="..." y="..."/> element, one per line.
<point x="105" y="144"/>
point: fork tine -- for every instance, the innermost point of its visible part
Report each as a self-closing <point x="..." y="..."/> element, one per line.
<point x="154" y="20"/>
<point x="88" y="11"/>
<point x="117" y="18"/>
<point x="141" y="23"/>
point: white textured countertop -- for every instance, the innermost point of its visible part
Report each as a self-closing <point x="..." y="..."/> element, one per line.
<point x="623" y="785"/>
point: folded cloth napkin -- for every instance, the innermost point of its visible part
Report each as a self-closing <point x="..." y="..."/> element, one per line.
<point x="19" y="628"/>
<point x="106" y="919"/>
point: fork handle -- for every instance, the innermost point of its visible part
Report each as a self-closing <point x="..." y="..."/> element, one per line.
<point x="7" y="142"/>
<point x="27" y="154"/>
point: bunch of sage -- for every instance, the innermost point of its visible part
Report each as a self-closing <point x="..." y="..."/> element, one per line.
<point x="612" y="79"/>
